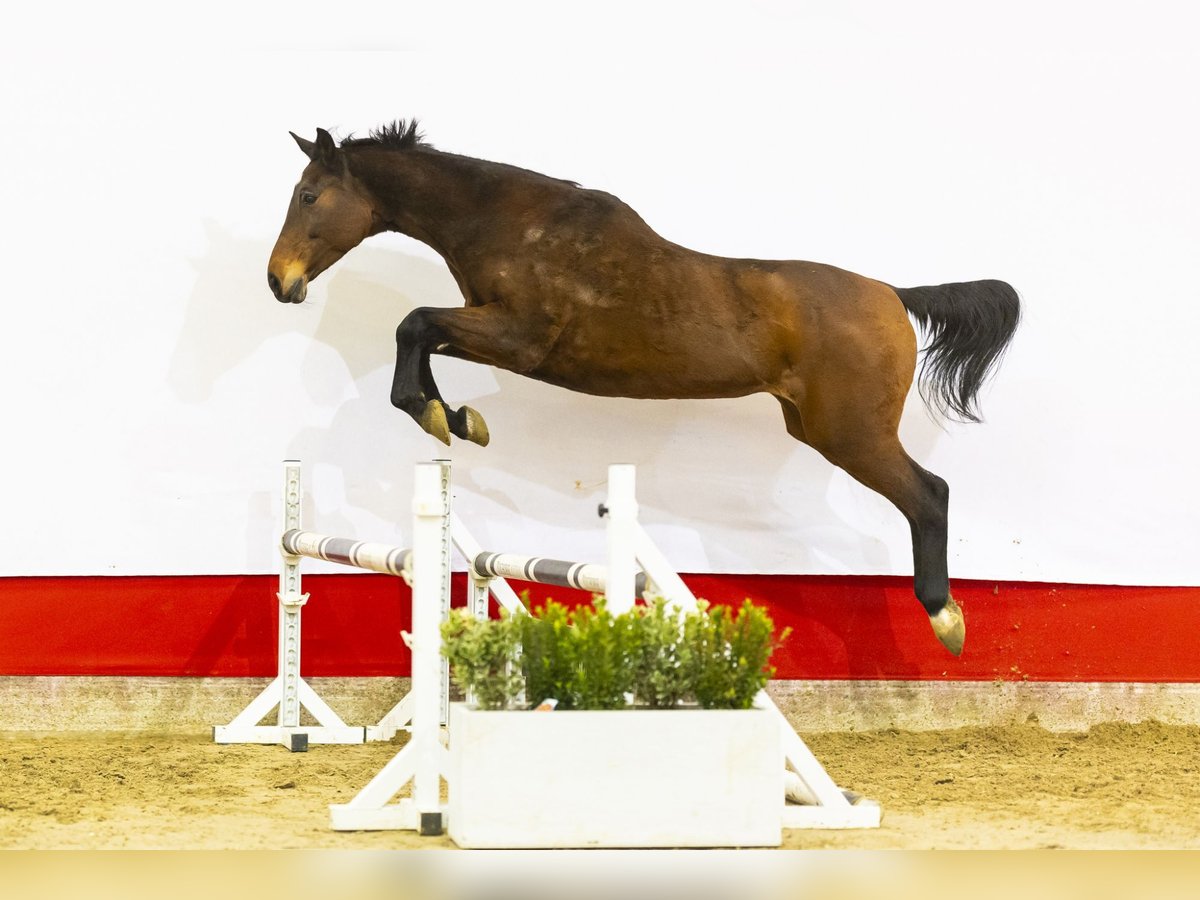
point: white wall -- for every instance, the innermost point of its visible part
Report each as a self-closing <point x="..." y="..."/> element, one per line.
<point x="152" y="383"/>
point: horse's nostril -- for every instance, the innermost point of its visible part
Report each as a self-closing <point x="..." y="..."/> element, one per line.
<point x="274" y="283"/>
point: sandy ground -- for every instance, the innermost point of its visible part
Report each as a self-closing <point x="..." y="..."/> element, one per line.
<point x="1115" y="786"/>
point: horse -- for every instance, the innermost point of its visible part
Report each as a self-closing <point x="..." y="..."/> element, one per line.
<point x="571" y="287"/>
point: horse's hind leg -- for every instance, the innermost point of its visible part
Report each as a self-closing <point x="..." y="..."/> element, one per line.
<point x="875" y="458"/>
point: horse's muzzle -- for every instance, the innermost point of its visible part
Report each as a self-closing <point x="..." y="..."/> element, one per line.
<point x="295" y="293"/>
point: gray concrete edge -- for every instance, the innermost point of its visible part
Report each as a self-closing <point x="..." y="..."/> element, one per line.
<point x="83" y="703"/>
<point x="48" y="704"/>
<point x="820" y="706"/>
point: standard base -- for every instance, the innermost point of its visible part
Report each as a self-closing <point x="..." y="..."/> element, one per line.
<point x="295" y="739"/>
<point x="864" y="814"/>
<point x="402" y="815"/>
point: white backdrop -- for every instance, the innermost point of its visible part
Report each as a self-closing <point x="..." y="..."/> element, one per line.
<point x="152" y="383"/>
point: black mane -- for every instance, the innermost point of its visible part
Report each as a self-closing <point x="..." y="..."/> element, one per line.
<point x="398" y="135"/>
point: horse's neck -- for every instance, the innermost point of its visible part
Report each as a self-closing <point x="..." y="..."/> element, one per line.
<point x="438" y="198"/>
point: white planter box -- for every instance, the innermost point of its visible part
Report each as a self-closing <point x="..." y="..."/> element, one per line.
<point x="622" y="778"/>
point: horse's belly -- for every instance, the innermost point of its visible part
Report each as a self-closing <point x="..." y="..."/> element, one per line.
<point x="649" y="369"/>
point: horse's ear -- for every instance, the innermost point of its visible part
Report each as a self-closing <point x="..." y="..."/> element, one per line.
<point x="309" y="148"/>
<point x="327" y="151"/>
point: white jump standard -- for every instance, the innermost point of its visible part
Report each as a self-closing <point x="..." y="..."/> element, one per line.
<point x="289" y="692"/>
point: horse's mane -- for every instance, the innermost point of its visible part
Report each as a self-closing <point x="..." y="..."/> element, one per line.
<point x="404" y="134"/>
<point x="397" y="135"/>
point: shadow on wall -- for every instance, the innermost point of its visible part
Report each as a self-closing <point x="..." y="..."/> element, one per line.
<point x="712" y="467"/>
<point x="231" y="313"/>
<point x="220" y="330"/>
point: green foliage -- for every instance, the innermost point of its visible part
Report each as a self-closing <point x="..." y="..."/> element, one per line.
<point x="729" y="655"/>
<point x="484" y="657"/>
<point x="602" y="676"/>
<point x="591" y="659"/>
<point x="550" y="654"/>
<point x="577" y="658"/>
<point x="657" y="657"/>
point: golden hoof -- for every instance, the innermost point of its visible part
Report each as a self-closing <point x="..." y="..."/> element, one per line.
<point x="434" y="422"/>
<point x="949" y="627"/>
<point x="477" y="430"/>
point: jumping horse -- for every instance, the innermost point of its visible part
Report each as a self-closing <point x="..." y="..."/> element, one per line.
<point x="571" y="287"/>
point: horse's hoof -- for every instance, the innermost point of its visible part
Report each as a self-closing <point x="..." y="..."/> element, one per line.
<point x="949" y="626"/>
<point x="433" y="421"/>
<point x="477" y="430"/>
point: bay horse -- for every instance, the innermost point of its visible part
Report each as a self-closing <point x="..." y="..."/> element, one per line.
<point x="571" y="287"/>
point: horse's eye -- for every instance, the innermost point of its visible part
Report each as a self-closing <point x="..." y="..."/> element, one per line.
<point x="308" y="198"/>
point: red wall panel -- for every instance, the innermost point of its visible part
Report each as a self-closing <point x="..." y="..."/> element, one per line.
<point x="842" y="627"/>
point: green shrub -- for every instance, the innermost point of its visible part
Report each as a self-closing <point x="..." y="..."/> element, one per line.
<point x="550" y="654"/>
<point x="579" y="658"/>
<point x="728" y="655"/>
<point x="591" y="659"/>
<point x="602" y="676"/>
<point x="484" y="656"/>
<point x="657" y="656"/>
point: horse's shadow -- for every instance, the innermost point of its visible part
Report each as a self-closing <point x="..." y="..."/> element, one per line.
<point x="694" y="458"/>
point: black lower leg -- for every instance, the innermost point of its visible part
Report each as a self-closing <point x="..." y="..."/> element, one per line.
<point x="931" y="581"/>
<point x="412" y="385"/>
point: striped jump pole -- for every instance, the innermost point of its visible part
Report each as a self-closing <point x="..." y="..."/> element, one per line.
<point x="488" y="569"/>
<point x="540" y="570"/>
<point x="360" y="554"/>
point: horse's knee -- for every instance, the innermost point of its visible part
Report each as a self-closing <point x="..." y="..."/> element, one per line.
<point x="413" y="329"/>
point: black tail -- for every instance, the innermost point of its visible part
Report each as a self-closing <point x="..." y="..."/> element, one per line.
<point x="969" y="327"/>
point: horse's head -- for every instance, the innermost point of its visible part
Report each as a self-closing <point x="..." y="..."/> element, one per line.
<point x="329" y="215"/>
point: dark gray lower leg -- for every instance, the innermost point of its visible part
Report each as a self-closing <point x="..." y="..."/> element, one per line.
<point x="929" y="525"/>
<point x="413" y="387"/>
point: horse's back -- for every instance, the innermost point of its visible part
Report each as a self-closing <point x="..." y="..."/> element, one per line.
<point x="636" y="315"/>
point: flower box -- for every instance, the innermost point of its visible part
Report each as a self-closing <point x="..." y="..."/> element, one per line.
<point x="615" y="778"/>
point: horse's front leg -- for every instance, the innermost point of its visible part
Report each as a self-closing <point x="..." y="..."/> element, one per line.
<point x="415" y="392"/>
<point x="485" y="334"/>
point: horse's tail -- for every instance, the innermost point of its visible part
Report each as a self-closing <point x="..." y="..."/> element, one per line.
<point x="969" y="326"/>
